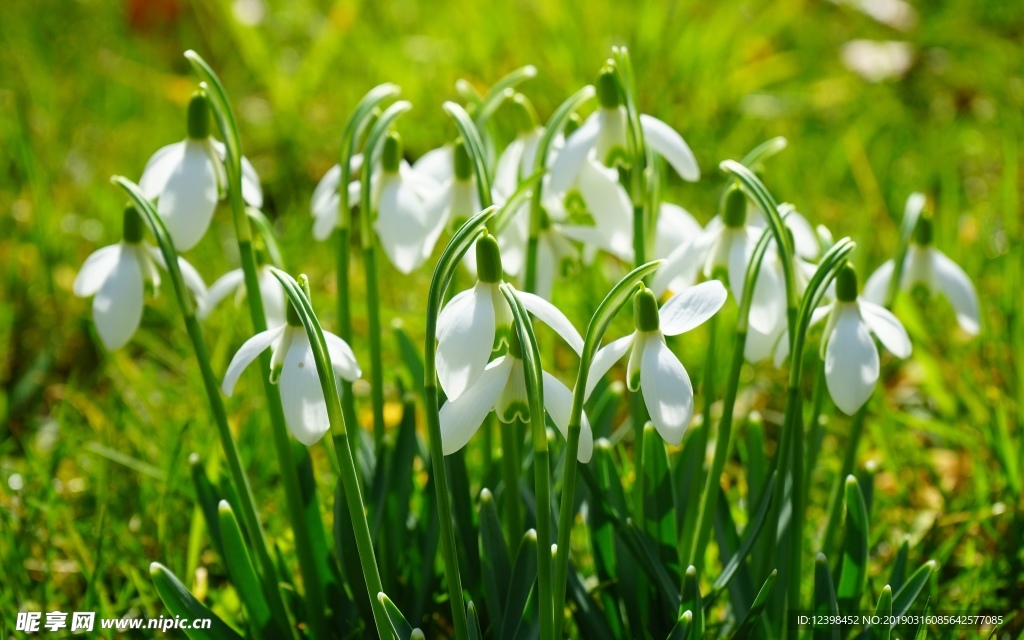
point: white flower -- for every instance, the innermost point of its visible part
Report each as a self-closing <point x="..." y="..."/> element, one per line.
<point x="456" y="201"/>
<point x="652" y="366"/>
<point x="927" y="266"/>
<point x="437" y="163"/>
<point x="517" y="161"/>
<point x="603" y="137"/>
<point x="477" y="322"/>
<point x="325" y="202"/>
<point x="293" y="370"/>
<point x="851" y="358"/>
<point x="501" y="387"/>
<point x="119" y="276"/>
<point x="187" y="179"/>
<point x="271" y="292"/>
<point x="555" y="250"/>
<point x="877" y="61"/>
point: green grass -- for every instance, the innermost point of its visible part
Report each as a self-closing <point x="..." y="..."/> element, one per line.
<point x="94" y="481"/>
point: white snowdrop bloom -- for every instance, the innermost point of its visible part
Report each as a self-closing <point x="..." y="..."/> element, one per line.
<point x="877" y="61"/>
<point x="293" y="370"/>
<point x="927" y="267"/>
<point x="770" y="334"/>
<point x="556" y="253"/>
<point x="608" y="204"/>
<point x="652" y="367"/>
<point x="477" y="322"/>
<point x="805" y="240"/>
<point x="233" y="282"/>
<point x="119" y="276"/>
<point x="188" y="178"/>
<point x="518" y="159"/>
<point x="501" y="387"/>
<point x="851" y="358"/>
<point x="438" y="163"/>
<point x="603" y="137"/>
<point x="326" y="201"/>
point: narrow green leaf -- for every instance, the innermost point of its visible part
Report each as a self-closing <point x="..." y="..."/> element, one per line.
<point x="755" y="157"/>
<point x="403" y="630"/>
<point x="206" y="498"/>
<point x="883" y="610"/>
<point x="495" y="566"/>
<point x="749" y="623"/>
<point x="593" y="623"/>
<point x="853" y="572"/>
<point x="465" y="527"/>
<point x="682" y="629"/>
<point x="750" y="535"/>
<point x="523" y="577"/>
<point x="824" y="599"/>
<point x="904" y="598"/>
<point x="692" y="603"/>
<point x="899" y="567"/>
<point x="410" y="357"/>
<point x="243" y="573"/>
<point x="473" y="622"/>
<point x="646" y="553"/>
<point x="348" y="555"/>
<point x="180" y="602"/>
<point x="659" y="516"/>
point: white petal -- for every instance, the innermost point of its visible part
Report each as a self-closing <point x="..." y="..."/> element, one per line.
<point x="436" y="214"/>
<point x="225" y="285"/>
<point x="246" y="355"/>
<point x="675" y="227"/>
<point x="400" y="225"/>
<point x="554" y="318"/>
<point x="851" y="361"/>
<point x="328" y="185"/>
<point x="805" y="240"/>
<point x="887" y="328"/>
<point x="636" y="355"/>
<point x="740" y="244"/>
<point x="193" y="281"/>
<point x="878" y="284"/>
<point x="252" y="192"/>
<point x="275" y="305"/>
<point x="302" y="396"/>
<point x="512" y="240"/>
<point x="189" y="197"/>
<point x="671" y="146"/>
<point x="617" y="244"/>
<point x="558" y="402"/>
<point x="768" y="304"/>
<point x="460" y="418"/>
<point x="691" y="308"/>
<point x="606" y="199"/>
<point x="438" y="163"/>
<point x="342" y="357"/>
<point x="95" y="270"/>
<point x="117" y="307"/>
<point x="760" y="345"/>
<point x="667" y="390"/>
<point x="465" y="335"/>
<point x="683" y="265"/>
<point x="159" y="168"/>
<point x="325" y="223"/>
<point x="603" y="360"/>
<point x="506" y="174"/>
<point x="954" y="283"/>
<point x="570" y="159"/>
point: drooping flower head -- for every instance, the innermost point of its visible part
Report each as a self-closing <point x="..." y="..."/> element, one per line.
<point x="188" y="178"/>
<point x="293" y="370"/>
<point x="233" y="283"/>
<point x="120" y="276"/>
<point x="477" y="322"/>
<point x="928" y="268"/>
<point x="652" y="367"/>
<point x="501" y="388"/>
<point x="851" y="358"/>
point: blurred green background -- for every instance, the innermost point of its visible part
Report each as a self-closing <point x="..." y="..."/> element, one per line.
<point x="93" y="445"/>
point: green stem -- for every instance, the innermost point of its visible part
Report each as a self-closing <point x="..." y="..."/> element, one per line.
<point x="694" y="509"/>
<point x="542" y="474"/>
<point x="565" y="514"/>
<point x="268" y="571"/>
<point x="712" y="485"/>
<point x="798" y="516"/>
<point x="835" y="509"/>
<point x="343" y="235"/>
<point x="814" y="428"/>
<point x="376" y="359"/>
<point x="511" y="468"/>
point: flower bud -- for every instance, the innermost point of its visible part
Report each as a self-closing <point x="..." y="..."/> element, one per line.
<point x="199" y="116"/>
<point x="608" y="89"/>
<point x="488" y="259"/>
<point x="645" y="311"/>
<point x="735" y="214"/>
<point x="463" y="166"/>
<point x="923" y="231"/>
<point x="846" y="283"/>
<point x="133" y="227"/>
<point x="391" y="156"/>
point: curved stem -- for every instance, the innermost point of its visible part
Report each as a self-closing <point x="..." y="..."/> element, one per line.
<point x="343" y="236"/>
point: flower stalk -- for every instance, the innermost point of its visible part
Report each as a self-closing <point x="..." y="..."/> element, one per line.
<point x="228" y="126"/>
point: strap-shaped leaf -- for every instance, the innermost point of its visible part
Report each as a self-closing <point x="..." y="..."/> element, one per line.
<point x="911" y="214"/>
<point x="473" y="621"/>
<point x="853" y="572"/>
<point x="824" y="600"/>
<point x="682" y="629"/>
<point x="180" y="602"/>
<point x="495" y="569"/>
<point x="899" y="567"/>
<point x="361" y="117"/>
<point x="658" y="513"/>
<point x="524" y="574"/>
<point x="883" y="610"/>
<point x="691" y="603"/>
<point x="206" y="497"/>
<point x="475" y="147"/>
<point x="749" y="623"/>
<point x="904" y="598"/>
<point x="403" y="630"/>
<point x="242" y="572"/>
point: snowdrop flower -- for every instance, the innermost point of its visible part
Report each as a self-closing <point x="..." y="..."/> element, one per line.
<point x="501" y="387"/>
<point x="929" y="268"/>
<point x="518" y="159"/>
<point x="477" y="322"/>
<point x="293" y="370"/>
<point x="119" y="277"/>
<point x="652" y="366"/>
<point x="233" y="282"/>
<point x="877" y="61"/>
<point x="437" y="163"/>
<point x="556" y="253"/>
<point x="851" y="358"/>
<point x="456" y="201"/>
<point x="326" y="201"/>
<point x="188" y="178"/>
<point x="603" y="138"/>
